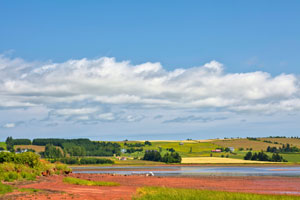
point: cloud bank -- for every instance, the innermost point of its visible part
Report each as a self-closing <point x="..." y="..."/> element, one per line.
<point x="105" y="90"/>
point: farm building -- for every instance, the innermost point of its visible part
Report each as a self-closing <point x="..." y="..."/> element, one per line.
<point x="216" y="150"/>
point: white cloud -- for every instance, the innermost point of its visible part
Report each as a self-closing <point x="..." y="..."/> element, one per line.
<point x="9" y="125"/>
<point x="100" y="89"/>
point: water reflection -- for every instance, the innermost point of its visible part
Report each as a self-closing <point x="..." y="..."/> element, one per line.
<point x="194" y="171"/>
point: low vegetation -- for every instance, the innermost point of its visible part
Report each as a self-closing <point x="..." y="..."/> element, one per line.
<point x="85" y="161"/>
<point x="77" y="181"/>
<point x="5" y="188"/>
<point x="26" y="166"/>
<point x="163" y="193"/>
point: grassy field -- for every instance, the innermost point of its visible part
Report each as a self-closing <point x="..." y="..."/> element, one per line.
<point x="187" y="149"/>
<point x="217" y="160"/>
<point x="244" y="143"/>
<point x="163" y="193"/>
<point x="77" y="181"/>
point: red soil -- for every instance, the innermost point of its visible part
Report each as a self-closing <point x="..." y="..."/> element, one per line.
<point x="56" y="189"/>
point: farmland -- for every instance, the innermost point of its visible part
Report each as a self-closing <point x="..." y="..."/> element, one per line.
<point x="244" y="143"/>
<point x="217" y="160"/>
<point x="37" y="148"/>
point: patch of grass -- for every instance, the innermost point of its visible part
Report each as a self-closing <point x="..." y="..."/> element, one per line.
<point x="77" y="181"/>
<point x="163" y="193"/>
<point x="29" y="190"/>
<point x="5" y="189"/>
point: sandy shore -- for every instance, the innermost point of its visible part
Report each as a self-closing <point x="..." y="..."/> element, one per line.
<point x="54" y="188"/>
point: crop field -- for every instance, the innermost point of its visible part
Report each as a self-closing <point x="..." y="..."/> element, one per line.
<point x="245" y="143"/>
<point x="34" y="147"/>
<point x="292" y="141"/>
<point x="216" y="160"/>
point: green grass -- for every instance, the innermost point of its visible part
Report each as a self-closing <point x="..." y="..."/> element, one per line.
<point x="163" y="193"/>
<point x="5" y="189"/>
<point x="29" y="190"/>
<point x="77" y="181"/>
<point x="198" y="148"/>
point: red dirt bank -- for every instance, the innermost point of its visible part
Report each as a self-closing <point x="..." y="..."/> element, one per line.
<point x="56" y="189"/>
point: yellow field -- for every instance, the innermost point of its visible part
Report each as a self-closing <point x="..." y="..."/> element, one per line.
<point x="245" y="143"/>
<point x="292" y="141"/>
<point x="216" y="160"/>
<point x="34" y="147"/>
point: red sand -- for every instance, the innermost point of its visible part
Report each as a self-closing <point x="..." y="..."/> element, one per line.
<point x="56" y="189"/>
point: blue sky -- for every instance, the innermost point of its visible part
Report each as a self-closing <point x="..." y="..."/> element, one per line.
<point x="149" y="70"/>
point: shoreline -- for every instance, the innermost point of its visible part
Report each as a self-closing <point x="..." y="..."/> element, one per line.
<point x="129" y="185"/>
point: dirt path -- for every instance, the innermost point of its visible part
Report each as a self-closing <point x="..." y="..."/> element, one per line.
<point x="56" y="189"/>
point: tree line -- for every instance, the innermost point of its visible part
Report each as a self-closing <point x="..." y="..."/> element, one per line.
<point x="153" y="155"/>
<point x="261" y="156"/>
<point x="284" y="149"/>
<point x="73" y="147"/>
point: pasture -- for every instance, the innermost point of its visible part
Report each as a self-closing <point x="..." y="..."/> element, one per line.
<point x="184" y="148"/>
<point x="244" y="143"/>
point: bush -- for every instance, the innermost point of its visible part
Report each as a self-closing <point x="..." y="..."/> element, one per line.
<point x="173" y="157"/>
<point x="70" y="160"/>
<point x="152" y="155"/>
<point x="85" y="161"/>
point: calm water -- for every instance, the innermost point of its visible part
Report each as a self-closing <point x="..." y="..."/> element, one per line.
<point x="194" y="171"/>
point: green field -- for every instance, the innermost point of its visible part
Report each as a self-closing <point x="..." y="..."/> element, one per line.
<point x="203" y="149"/>
<point x="186" y="149"/>
<point x="163" y="193"/>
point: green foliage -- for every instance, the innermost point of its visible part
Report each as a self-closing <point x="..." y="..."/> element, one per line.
<point x="9" y="144"/>
<point x="81" y="147"/>
<point x="248" y="156"/>
<point x="153" y="155"/>
<point x="77" y="181"/>
<point x="261" y="156"/>
<point x="132" y="150"/>
<point x="69" y="160"/>
<point x="134" y="144"/>
<point x="284" y="149"/>
<point x="148" y="143"/>
<point x="27" y="158"/>
<point x="26" y="166"/>
<point x="51" y="152"/>
<point x="21" y="142"/>
<point x="163" y="193"/>
<point x="85" y="161"/>
<point x="172" y="157"/>
<point x="5" y="188"/>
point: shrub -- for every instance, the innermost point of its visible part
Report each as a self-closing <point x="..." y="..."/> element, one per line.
<point x="95" y="161"/>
